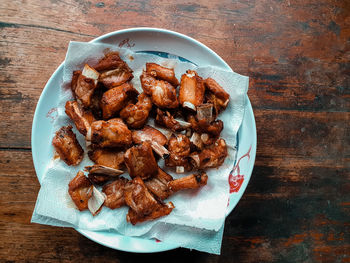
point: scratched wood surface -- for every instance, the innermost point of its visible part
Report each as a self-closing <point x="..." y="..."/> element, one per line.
<point x="297" y="205"/>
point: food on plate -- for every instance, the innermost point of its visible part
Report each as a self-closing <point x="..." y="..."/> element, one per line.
<point x="140" y="161"/>
<point x="191" y="93"/>
<point x="111" y="133"/>
<point x="117" y="123"/>
<point x="136" y="115"/>
<point x="67" y="146"/>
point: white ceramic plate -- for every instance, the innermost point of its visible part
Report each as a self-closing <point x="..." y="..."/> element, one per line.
<point x="167" y="42"/>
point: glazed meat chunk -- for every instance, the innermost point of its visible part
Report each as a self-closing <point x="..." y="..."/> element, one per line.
<point x="216" y="95"/>
<point x="140" y="161"/>
<point x="162" y="210"/>
<point x="191" y="93"/>
<point x="136" y="115"/>
<point x="114" y="71"/>
<point x="115" y="99"/>
<point x="179" y="148"/>
<point x="158" y="184"/>
<point x="162" y="73"/>
<point x="165" y="119"/>
<point x="210" y="157"/>
<point x="84" y="84"/>
<point x="113" y="158"/>
<point x="192" y="181"/>
<point x="99" y="174"/>
<point x="67" y="146"/>
<point x="202" y="126"/>
<point x="163" y="94"/>
<point x="80" y="190"/>
<point x="81" y="118"/>
<point x="111" y="133"/>
<point x="115" y="193"/>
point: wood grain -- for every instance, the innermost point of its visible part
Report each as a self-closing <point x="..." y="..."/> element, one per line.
<point x="296" y="207"/>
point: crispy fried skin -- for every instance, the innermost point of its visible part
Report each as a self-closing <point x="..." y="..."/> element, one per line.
<point x="113" y="158"/>
<point x="83" y="87"/>
<point x="140" y="161"/>
<point x="115" y="193"/>
<point x="136" y="115"/>
<point x="111" y="133"/>
<point x="80" y="190"/>
<point x="149" y="133"/>
<point x="114" y="71"/>
<point x="114" y="99"/>
<point x="202" y="126"/>
<point x="179" y="148"/>
<point x="162" y="73"/>
<point x="81" y="118"/>
<point x="163" y="94"/>
<point x="67" y="146"/>
<point x="218" y="96"/>
<point x="158" y="184"/>
<point x="191" y="89"/>
<point x="162" y="210"/>
<point x="192" y="181"/>
<point x="138" y="198"/>
<point x="210" y="157"/>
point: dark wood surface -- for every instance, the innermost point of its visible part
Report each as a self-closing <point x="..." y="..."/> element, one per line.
<point x="297" y="54"/>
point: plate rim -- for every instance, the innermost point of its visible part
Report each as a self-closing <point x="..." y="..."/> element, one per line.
<point x="249" y="108"/>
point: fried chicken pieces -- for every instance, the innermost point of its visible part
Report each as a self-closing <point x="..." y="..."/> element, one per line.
<point x="111" y="114"/>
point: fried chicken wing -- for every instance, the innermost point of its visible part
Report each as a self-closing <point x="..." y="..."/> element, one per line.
<point x="114" y="71"/>
<point x="115" y="193"/>
<point x="162" y="73"/>
<point x="162" y="210"/>
<point x="80" y="190"/>
<point x="179" y="148"/>
<point x="217" y="95"/>
<point x="165" y="119"/>
<point x="113" y="158"/>
<point x="111" y="133"/>
<point x="154" y="137"/>
<point x="81" y="118"/>
<point x="210" y="157"/>
<point x="67" y="146"/>
<point x="163" y="94"/>
<point x="140" y="161"/>
<point x="192" y="181"/>
<point x="136" y="115"/>
<point x="114" y="99"/>
<point x="191" y="93"/>
<point x="158" y="184"/>
<point x="83" y="84"/>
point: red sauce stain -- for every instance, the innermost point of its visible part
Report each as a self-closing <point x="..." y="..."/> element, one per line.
<point x="157" y="240"/>
<point x="236" y="179"/>
<point x="126" y="42"/>
<point x="52" y="114"/>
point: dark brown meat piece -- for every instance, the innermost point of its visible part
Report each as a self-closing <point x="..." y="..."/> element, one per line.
<point x="111" y="133"/>
<point x="136" y="115"/>
<point x="140" y="161"/>
<point x="113" y="158"/>
<point x="67" y="146"/>
<point x="84" y="84"/>
<point x="179" y="148"/>
<point x="162" y="73"/>
<point x="165" y="119"/>
<point x="162" y="210"/>
<point x="81" y="118"/>
<point x="99" y="174"/>
<point x="202" y="126"/>
<point x="115" y="99"/>
<point x="210" y="157"/>
<point x="217" y="95"/>
<point x="192" y="181"/>
<point x="149" y="133"/>
<point x="191" y="93"/>
<point x="163" y="94"/>
<point x="80" y="190"/>
<point x="114" y="71"/>
<point x="158" y="184"/>
<point x="115" y="193"/>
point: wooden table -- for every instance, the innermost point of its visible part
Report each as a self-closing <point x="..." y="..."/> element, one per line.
<point x="297" y="205"/>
